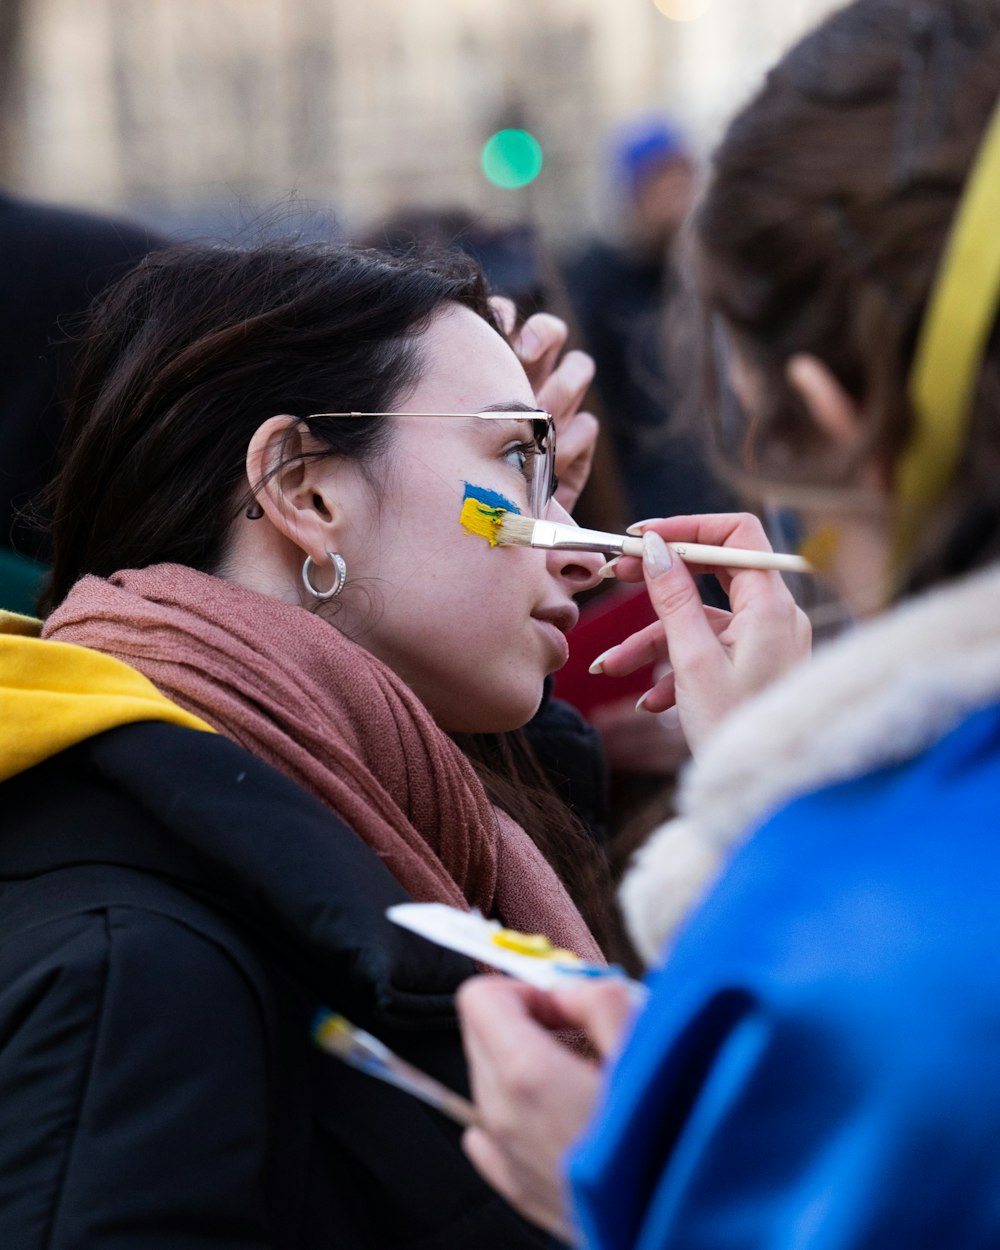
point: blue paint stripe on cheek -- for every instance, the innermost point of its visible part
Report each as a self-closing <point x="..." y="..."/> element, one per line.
<point x="491" y="498"/>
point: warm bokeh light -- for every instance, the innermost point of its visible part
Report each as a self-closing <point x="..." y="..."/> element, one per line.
<point x="683" y="10"/>
<point x="512" y="158"/>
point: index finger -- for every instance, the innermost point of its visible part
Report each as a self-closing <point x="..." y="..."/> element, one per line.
<point x="538" y="344"/>
<point x="504" y="1019"/>
<point x="563" y="390"/>
<point x="601" y="1009"/>
<point x="722" y="529"/>
<point x="506" y="312"/>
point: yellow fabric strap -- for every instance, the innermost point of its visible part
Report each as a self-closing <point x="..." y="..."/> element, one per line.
<point x="54" y="695"/>
<point x="21" y="626"/>
<point x="956" y="327"/>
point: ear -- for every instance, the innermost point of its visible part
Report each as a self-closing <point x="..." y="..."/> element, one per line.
<point x="295" y="493"/>
<point x="829" y="405"/>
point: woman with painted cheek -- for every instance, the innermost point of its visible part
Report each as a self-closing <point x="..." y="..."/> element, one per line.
<point x="816" y="1063"/>
<point x="271" y="698"/>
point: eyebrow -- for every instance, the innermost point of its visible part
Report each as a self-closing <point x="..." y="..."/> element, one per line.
<point x="513" y="406"/>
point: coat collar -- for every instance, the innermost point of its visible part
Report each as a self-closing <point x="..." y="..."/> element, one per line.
<point x="874" y="697"/>
<point x="197" y="809"/>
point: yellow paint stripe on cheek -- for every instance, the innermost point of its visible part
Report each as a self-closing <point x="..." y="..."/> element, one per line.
<point x="481" y="519"/>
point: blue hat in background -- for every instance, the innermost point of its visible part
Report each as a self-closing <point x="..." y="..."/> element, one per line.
<point x="642" y="146"/>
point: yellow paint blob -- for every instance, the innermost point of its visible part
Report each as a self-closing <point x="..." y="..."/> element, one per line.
<point x="536" y="944"/>
<point x="478" y="518"/>
<point x="333" y="1030"/>
<point x="820" y="548"/>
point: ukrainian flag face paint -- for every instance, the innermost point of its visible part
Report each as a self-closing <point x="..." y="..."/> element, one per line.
<point x="483" y="510"/>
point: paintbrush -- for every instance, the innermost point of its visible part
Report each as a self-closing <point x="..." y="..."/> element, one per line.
<point x="337" y="1036"/>
<point x="521" y="531"/>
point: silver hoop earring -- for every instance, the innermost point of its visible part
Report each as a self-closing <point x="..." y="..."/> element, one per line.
<point x="339" y="576"/>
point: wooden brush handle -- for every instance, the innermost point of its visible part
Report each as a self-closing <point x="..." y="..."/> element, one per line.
<point x="740" y="558"/>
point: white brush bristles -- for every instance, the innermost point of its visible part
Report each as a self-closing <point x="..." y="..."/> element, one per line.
<point x="515" y="531"/>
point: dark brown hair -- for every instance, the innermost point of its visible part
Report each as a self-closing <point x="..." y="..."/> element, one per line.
<point x="180" y="363"/>
<point x="821" y="231"/>
<point x="515" y="781"/>
<point x="183" y="359"/>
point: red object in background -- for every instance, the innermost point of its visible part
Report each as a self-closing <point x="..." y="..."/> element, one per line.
<point x="604" y="622"/>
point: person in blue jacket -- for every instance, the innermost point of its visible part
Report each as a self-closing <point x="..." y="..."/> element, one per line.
<point x="816" y="1065"/>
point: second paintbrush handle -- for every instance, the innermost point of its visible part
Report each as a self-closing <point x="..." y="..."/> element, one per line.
<point x="432" y="1092"/>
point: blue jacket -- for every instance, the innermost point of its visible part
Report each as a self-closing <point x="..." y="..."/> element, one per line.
<point x="819" y="1064"/>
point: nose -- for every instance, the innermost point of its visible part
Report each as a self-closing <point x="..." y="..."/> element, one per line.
<point x="577" y="569"/>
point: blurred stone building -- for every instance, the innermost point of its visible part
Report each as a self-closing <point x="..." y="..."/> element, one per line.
<point x="168" y="107"/>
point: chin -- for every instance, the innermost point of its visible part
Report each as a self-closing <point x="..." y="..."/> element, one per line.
<point x="496" y="718"/>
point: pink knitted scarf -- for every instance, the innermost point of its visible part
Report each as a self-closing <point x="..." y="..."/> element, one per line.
<point x="291" y="689"/>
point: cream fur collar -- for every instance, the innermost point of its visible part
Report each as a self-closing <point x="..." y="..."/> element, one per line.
<point x="879" y="694"/>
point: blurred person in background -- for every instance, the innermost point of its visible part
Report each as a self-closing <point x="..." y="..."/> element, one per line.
<point x="633" y="312"/>
<point x="626" y="293"/>
<point x="510" y="254"/>
<point x="55" y="261"/>
<point x="816" y="1063"/>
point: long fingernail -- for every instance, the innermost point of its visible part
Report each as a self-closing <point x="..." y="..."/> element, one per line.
<point x="529" y="345"/>
<point x="635" y="529"/>
<point x="640" y="705"/>
<point x="608" y="570"/>
<point x="598" y="664"/>
<point x="656" y="554"/>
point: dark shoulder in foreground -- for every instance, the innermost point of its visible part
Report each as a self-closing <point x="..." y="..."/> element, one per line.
<point x="132" y="1082"/>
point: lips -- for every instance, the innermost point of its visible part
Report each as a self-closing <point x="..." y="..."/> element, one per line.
<point x="563" y="616"/>
<point x="555" y="623"/>
<point x="556" y="640"/>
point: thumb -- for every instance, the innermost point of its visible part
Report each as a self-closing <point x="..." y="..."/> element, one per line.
<point x="674" y="594"/>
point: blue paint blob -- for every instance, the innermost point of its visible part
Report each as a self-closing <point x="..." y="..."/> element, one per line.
<point x="491" y="498"/>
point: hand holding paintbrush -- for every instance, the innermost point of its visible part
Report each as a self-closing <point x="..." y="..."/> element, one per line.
<point x="715" y="659"/>
<point x="709" y="661"/>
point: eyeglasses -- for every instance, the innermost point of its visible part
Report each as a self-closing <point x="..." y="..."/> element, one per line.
<point x="540" y="462"/>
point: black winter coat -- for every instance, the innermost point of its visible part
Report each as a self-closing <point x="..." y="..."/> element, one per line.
<point x="172" y="913"/>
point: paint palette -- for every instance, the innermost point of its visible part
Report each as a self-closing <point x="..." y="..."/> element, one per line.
<point x="529" y="957"/>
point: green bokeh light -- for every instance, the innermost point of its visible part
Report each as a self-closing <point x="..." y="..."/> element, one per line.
<point x="512" y="158"/>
